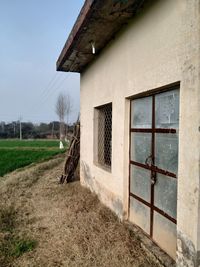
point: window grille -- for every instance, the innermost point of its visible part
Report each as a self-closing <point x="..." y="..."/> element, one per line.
<point x="104" y="139"/>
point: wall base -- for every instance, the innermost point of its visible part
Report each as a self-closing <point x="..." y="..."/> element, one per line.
<point x="187" y="256"/>
<point x="107" y="197"/>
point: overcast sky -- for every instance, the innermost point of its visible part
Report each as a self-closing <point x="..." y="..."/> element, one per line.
<point x="32" y="35"/>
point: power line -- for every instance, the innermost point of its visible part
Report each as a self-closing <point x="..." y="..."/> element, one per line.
<point x="51" y="88"/>
<point x="50" y="84"/>
<point x="50" y="93"/>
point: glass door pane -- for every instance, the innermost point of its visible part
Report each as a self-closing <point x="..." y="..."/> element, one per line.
<point x="166" y="152"/>
<point x="140" y="214"/>
<point x="141" y="116"/>
<point x="164" y="233"/>
<point x="165" y="194"/>
<point x="140" y="182"/>
<point x="167" y="109"/>
<point x="140" y="146"/>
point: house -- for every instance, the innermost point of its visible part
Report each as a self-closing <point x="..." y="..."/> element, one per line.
<point x="139" y="62"/>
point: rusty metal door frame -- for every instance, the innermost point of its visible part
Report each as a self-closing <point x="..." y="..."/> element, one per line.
<point x="151" y="167"/>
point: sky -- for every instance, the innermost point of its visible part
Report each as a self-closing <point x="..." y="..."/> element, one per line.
<point x="32" y="35"/>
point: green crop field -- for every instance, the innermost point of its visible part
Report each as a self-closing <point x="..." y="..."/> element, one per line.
<point x="15" y="154"/>
<point x="29" y="143"/>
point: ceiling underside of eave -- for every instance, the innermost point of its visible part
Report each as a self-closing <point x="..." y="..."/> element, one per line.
<point x="103" y="21"/>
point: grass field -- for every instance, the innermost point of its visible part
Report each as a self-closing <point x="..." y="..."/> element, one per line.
<point x="29" y="143"/>
<point x="15" y="154"/>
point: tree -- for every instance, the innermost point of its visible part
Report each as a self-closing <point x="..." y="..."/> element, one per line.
<point x="63" y="110"/>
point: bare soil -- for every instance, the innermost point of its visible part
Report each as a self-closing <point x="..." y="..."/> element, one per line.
<point x="67" y="222"/>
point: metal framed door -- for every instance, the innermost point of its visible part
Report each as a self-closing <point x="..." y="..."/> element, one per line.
<point x="154" y="165"/>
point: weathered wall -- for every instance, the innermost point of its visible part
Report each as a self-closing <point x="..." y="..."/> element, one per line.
<point x="188" y="226"/>
<point x="152" y="51"/>
<point x="145" y="55"/>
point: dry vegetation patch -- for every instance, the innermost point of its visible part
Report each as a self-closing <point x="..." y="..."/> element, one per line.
<point x="61" y="225"/>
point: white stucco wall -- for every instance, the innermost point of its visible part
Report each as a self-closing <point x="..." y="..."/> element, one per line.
<point x="151" y="52"/>
<point x="188" y="226"/>
<point x="144" y="56"/>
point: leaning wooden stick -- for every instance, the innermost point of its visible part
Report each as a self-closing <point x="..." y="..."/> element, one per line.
<point x="73" y="156"/>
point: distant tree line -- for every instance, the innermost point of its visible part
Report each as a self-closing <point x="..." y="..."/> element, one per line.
<point x="32" y="131"/>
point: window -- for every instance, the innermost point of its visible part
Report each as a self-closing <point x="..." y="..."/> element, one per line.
<point x="103" y="135"/>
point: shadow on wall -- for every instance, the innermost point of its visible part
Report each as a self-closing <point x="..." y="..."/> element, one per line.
<point x="77" y="173"/>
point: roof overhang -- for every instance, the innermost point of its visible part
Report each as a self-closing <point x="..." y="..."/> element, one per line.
<point x="98" y="22"/>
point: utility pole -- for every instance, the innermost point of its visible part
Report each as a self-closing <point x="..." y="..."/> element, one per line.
<point x="14" y="128"/>
<point x="3" y="126"/>
<point x="52" y="131"/>
<point x="20" y="127"/>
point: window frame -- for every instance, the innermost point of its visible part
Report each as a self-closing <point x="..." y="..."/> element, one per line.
<point x="97" y="162"/>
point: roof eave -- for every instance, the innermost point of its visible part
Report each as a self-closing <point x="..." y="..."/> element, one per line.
<point x="68" y="47"/>
<point x="98" y="21"/>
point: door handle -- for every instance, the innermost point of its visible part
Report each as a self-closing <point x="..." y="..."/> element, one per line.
<point x="153" y="178"/>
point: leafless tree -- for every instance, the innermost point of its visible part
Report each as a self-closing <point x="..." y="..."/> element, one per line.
<point x="63" y="110"/>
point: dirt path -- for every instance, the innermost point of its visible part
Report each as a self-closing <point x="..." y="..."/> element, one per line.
<point x="69" y="225"/>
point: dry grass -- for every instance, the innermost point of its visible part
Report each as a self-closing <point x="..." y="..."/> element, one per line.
<point x="69" y="224"/>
